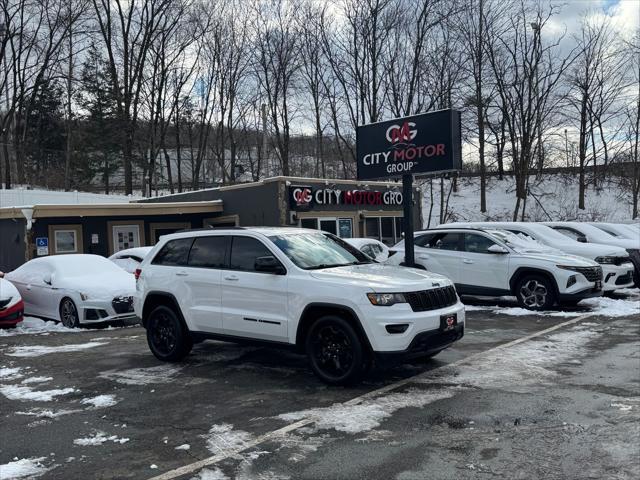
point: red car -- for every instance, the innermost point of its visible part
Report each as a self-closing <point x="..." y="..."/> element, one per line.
<point x="11" y="305"/>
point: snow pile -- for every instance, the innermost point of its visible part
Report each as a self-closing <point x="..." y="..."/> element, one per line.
<point x="32" y="325"/>
<point x="46" y="413"/>
<point x="215" y="474"/>
<point x="10" y="373"/>
<point x="39" y="350"/>
<point x="99" y="438"/>
<point x="24" y="393"/>
<point x="143" y="376"/>
<point x="605" y="306"/>
<point x="30" y="380"/>
<point x="557" y="193"/>
<point x="223" y="437"/>
<point x="184" y="446"/>
<point x="368" y="414"/>
<point x="101" y="401"/>
<point x="26" y="467"/>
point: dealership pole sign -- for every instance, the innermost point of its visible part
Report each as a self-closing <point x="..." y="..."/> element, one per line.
<point x="423" y="144"/>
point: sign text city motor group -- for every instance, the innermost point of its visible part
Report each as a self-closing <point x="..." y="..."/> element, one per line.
<point x="305" y="196"/>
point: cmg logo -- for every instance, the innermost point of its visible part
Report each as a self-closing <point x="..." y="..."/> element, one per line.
<point x="401" y="133"/>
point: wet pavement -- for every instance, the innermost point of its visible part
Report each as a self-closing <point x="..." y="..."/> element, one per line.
<point x="514" y="399"/>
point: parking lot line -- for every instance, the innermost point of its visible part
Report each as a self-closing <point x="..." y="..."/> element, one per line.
<point x="231" y="452"/>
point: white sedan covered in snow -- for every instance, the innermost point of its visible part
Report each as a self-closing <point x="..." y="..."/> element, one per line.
<point x="75" y="289"/>
<point x="130" y="258"/>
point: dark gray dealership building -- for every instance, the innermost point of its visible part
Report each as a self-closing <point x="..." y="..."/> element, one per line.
<point x="347" y="208"/>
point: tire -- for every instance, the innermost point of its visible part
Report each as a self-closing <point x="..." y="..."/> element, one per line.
<point x="336" y="353"/>
<point x="69" y="313"/>
<point x="167" y="336"/>
<point x="535" y="292"/>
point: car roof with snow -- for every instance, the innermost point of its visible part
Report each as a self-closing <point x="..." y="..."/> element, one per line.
<point x="265" y="231"/>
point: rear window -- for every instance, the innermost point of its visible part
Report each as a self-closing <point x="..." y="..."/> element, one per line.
<point x="174" y="253"/>
<point x="208" y="252"/>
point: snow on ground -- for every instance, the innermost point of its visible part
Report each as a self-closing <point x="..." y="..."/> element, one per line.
<point x="223" y="437"/>
<point x="10" y="373"/>
<point x="605" y="306"/>
<point x="39" y="350"/>
<point x="558" y="194"/>
<point x="30" y="380"/>
<point x="215" y="474"/>
<point x="32" y="325"/>
<point x="46" y="413"/>
<point x="100" y="401"/>
<point x="24" y="393"/>
<point x="367" y="415"/>
<point x="99" y="438"/>
<point x="143" y="376"/>
<point x="23" y="468"/>
<point x="184" y="446"/>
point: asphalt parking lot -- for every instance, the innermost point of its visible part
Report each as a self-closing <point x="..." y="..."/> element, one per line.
<point x="521" y="396"/>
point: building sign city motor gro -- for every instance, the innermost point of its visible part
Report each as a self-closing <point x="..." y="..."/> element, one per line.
<point x="426" y="143"/>
<point x="304" y="197"/>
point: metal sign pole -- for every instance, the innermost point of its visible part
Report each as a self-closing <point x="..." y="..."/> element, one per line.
<point x="407" y="199"/>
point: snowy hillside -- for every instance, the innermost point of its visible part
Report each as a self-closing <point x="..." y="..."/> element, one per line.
<point x="554" y="197"/>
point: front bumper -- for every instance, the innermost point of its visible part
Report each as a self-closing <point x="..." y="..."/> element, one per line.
<point x="589" y="293"/>
<point x="423" y="344"/>
<point x="103" y="310"/>
<point x="617" y="276"/>
<point x="13" y="315"/>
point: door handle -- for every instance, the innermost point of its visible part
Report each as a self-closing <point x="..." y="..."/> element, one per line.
<point x="181" y="274"/>
<point x="231" y="278"/>
<point x="466" y="260"/>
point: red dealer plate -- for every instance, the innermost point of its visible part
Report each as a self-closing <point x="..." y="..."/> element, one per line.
<point x="448" y="322"/>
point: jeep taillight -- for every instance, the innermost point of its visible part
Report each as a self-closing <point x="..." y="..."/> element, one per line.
<point x="137" y="273"/>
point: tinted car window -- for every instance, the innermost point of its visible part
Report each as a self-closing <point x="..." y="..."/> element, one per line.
<point x="423" y="240"/>
<point x="174" y="253"/>
<point x="443" y="241"/>
<point x="475" y="243"/>
<point x="569" y="232"/>
<point x="208" y="252"/>
<point x="244" y="252"/>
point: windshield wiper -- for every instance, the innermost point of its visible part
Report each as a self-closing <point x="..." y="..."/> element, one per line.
<point x="328" y="265"/>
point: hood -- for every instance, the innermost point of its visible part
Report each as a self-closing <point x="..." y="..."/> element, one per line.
<point x="9" y="294"/>
<point x="381" y="278"/>
<point x="625" y="243"/>
<point x="100" y="286"/>
<point x="591" y="250"/>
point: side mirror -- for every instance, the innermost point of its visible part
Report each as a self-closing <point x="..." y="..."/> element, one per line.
<point x="582" y="239"/>
<point x="498" y="249"/>
<point x="269" y="264"/>
<point x="46" y="278"/>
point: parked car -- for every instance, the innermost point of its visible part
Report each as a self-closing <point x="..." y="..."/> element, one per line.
<point x="296" y="288"/>
<point x="75" y="289"/>
<point x="618" y="230"/>
<point x="583" y="232"/>
<point x="613" y="260"/>
<point x="11" y="304"/>
<point x="130" y="259"/>
<point x="496" y="263"/>
<point x="370" y="247"/>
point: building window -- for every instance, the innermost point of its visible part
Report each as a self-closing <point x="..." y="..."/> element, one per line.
<point x="125" y="236"/>
<point x="386" y="229"/>
<point x="342" y="227"/>
<point x="66" y="241"/>
<point x="160" y="229"/>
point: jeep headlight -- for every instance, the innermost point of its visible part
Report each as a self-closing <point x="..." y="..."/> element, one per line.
<point x="606" y="260"/>
<point x="386" y="299"/>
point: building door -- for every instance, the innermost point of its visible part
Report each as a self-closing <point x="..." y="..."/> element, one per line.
<point x="125" y="236"/>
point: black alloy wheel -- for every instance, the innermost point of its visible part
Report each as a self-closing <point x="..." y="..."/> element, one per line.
<point x="69" y="313"/>
<point x="335" y="351"/>
<point x="167" y="336"/>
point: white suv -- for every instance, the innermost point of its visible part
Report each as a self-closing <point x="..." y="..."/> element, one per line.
<point x="297" y="288"/>
<point x="496" y="263"/>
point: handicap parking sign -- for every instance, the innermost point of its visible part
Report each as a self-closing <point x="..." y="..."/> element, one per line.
<point x="42" y="246"/>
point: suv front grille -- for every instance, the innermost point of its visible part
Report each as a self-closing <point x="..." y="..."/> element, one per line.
<point x="432" y="299"/>
<point x="122" y="304"/>
<point x="592" y="274"/>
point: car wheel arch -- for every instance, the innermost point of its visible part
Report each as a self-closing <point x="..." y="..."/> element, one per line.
<point x="155" y="299"/>
<point x="522" y="271"/>
<point x="314" y="311"/>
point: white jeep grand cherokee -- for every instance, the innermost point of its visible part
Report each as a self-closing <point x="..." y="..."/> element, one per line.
<point x="298" y="288"/>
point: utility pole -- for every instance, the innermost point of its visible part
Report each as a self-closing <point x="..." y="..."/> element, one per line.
<point x="267" y="167"/>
